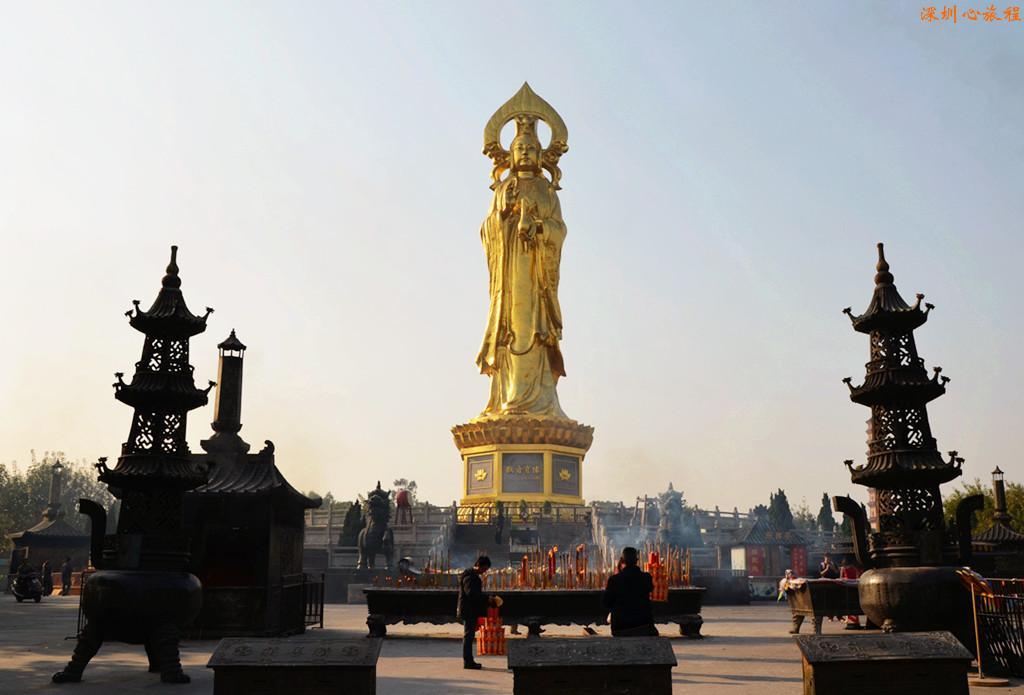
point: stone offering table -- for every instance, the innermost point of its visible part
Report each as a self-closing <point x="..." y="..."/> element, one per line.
<point x="912" y="663"/>
<point x="529" y="607"/>
<point x="823" y="598"/>
<point x="610" y="666"/>
<point x="304" y="665"/>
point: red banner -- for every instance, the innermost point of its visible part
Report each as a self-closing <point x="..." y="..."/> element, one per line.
<point x="755" y="561"/>
<point x="798" y="560"/>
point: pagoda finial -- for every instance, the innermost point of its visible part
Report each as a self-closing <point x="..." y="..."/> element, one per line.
<point x="171" y="280"/>
<point x="883" y="277"/>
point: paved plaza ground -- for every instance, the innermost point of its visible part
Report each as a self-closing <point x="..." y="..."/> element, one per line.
<point x="746" y="650"/>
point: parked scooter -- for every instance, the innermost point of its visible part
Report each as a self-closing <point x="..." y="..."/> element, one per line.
<point x="28" y="586"/>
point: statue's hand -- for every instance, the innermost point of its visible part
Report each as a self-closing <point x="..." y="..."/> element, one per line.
<point x="527" y="223"/>
<point x="511" y="195"/>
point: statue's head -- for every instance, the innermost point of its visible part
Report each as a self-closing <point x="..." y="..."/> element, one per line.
<point x="377" y="504"/>
<point x="527" y="153"/>
<point x="526" y="148"/>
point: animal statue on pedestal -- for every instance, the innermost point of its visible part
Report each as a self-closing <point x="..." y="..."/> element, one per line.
<point x="376" y="537"/>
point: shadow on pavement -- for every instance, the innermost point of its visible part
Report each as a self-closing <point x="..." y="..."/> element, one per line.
<point x="391" y="684"/>
<point x="751" y="678"/>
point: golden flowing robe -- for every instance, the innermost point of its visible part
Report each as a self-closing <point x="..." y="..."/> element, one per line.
<point x="520" y="349"/>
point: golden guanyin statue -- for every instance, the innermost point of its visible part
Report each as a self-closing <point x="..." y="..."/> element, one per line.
<point x="523" y="447"/>
<point x="522" y="237"/>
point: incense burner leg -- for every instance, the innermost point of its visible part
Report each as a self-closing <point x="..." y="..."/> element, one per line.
<point x="164" y="644"/>
<point x="533" y="629"/>
<point x="818" y="620"/>
<point x="798" y="621"/>
<point x="89" y="642"/>
<point x="154" y="659"/>
<point x="691" y="627"/>
<point x="376" y="625"/>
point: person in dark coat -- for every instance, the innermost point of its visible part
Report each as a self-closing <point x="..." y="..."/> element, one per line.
<point x="628" y="598"/>
<point x="65" y="577"/>
<point x="472" y="605"/>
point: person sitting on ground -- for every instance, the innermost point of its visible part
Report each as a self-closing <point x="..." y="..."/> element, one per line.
<point x="472" y="605"/>
<point x="628" y="598"/>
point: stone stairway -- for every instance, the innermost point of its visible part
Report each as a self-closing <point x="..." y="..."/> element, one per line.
<point x="472" y="540"/>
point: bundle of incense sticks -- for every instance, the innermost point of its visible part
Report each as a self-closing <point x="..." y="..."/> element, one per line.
<point x="677" y="560"/>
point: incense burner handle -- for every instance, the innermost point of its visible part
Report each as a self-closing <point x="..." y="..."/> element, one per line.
<point x="859" y="521"/>
<point x="98" y="527"/>
<point x="964" y="511"/>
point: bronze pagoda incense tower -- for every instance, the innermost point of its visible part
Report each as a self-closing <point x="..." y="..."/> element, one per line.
<point x="910" y="582"/>
<point x="142" y="592"/>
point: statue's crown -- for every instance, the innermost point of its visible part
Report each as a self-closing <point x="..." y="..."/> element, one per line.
<point x="526" y="126"/>
<point x="525" y="107"/>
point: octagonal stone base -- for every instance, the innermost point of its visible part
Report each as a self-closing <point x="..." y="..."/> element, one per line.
<point x="515" y="459"/>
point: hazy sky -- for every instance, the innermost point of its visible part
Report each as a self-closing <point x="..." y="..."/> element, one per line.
<point x="731" y="167"/>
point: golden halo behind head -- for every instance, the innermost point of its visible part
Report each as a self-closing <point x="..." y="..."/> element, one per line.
<point x="525" y="102"/>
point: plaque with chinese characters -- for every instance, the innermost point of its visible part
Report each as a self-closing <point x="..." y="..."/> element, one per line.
<point x="552" y="651"/>
<point x="240" y="651"/>
<point x="522" y="472"/>
<point x="919" y="646"/>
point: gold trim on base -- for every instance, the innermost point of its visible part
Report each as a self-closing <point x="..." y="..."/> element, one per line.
<point x="493" y="475"/>
<point x="523" y="430"/>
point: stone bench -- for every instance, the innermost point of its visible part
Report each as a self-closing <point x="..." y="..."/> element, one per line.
<point x="311" y="666"/>
<point x="908" y="663"/>
<point x="598" y="666"/>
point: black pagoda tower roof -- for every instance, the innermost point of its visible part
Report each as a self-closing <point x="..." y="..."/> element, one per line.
<point x="897" y="388"/>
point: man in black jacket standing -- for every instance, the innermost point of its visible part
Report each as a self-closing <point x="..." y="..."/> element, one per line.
<point x="65" y="577"/>
<point x="472" y="606"/>
<point x="628" y="598"/>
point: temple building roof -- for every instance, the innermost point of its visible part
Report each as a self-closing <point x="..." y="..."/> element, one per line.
<point x="999" y="534"/>
<point x="764" y="532"/>
<point x="50" y="527"/>
<point x="254" y="475"/>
